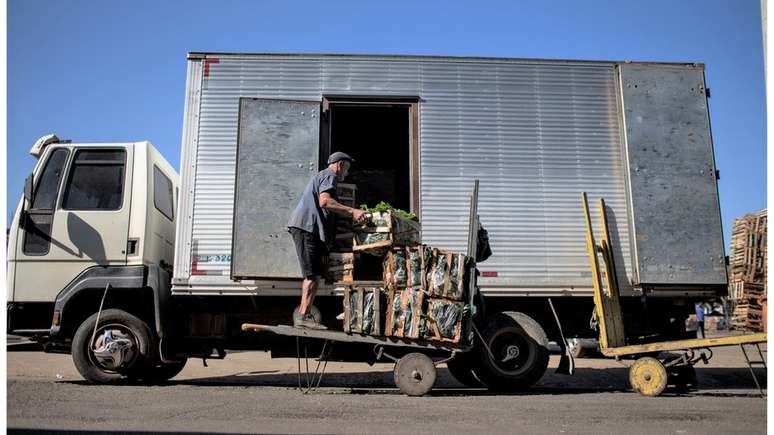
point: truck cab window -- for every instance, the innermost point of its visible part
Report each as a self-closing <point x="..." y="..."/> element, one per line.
<point x="37" y="224"/>
<point x="162" y="193"/>
<point x="96" y="180"/>
<point x="47" y="187"/>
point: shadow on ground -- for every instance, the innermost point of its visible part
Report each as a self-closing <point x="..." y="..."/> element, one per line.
<point x="585" y="381"/>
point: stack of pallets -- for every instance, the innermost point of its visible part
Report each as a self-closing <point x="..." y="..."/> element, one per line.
<point x="747" y="272"/>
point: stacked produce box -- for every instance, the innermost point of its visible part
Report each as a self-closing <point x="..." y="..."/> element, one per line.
<point x="341" y="259"/>
<point x="748" y="271"/>
<point x="423" y="290"/>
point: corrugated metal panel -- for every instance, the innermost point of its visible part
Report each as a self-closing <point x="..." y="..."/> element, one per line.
<point x="184" y="221"/>
<point x="534" y="133"/>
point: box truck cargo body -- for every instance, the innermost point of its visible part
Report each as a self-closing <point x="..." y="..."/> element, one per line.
<point x="534" y="132"/>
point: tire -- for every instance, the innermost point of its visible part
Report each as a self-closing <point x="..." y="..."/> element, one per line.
<point x="576" y="348"/>
<point x="163" y="372"/>
<point x="521" y="347"/>
<point x="461" y="369"/>
<point x="126" y="331"/>
<point x="415" y="374"/>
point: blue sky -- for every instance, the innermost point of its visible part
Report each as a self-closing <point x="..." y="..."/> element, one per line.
<point x="102" y="71"/>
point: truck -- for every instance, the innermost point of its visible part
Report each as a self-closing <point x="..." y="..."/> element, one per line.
<point x="176" y="277"/>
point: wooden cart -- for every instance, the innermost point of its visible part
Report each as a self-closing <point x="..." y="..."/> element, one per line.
<point x="415" y="371"/>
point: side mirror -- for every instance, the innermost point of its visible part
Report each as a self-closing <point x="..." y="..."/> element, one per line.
<point x="28" y="191"/>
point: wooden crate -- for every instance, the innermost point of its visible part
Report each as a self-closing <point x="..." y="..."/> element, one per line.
<point x="444" y="320"/>
<point x="342" y="240"/>
<point x="363" y="308"/>
<point x="447" y="274"/>
<point x="340" y="267"/>
<point x="346" y="194"/>
<point x="404" y="267"/>
<point x="383" y="231"/>
<point x="404" y="312"/>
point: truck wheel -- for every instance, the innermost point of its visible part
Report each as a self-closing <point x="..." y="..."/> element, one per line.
<point x="461" y="370"/>
<point x="163" y="372"/>
<point x="519" y="349"/>
<point x="121" y="348"/>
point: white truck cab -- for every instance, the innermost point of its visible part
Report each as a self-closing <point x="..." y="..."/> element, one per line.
<point x="91" y="215"/>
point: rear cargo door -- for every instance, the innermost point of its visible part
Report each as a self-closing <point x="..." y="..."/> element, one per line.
<point x="277" y="153"/>
<point x="672" y="177"/>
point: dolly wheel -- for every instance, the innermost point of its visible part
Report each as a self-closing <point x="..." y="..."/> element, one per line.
<point x="648" y="376"/>
<point x="415" y="374"/>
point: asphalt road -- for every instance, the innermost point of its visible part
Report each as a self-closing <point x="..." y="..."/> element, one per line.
<point x="250" y="393"/>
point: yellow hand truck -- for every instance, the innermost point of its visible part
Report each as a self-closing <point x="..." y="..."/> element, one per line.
<point x="648" y="375"/>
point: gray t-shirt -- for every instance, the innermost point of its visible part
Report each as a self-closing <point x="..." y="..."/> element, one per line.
<point x="308" y="215"/>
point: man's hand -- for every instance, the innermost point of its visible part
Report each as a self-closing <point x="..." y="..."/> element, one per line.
<point x="359" y="216"/>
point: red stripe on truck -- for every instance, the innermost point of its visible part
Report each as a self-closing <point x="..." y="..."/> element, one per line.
<point x="207" y="63"/>
<point x="489" y="274"/>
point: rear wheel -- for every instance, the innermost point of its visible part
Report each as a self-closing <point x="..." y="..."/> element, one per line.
<point x="519" y="352"/>
<point x="163" y="371"/>
<point x="120" y="349"/>
<point x="461" y="369"/>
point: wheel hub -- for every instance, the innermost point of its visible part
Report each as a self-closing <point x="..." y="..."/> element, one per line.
<point x="112" y="349"/>
<point x="511" y="352"/>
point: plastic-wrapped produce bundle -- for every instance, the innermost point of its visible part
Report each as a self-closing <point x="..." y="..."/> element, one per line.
<point x="399" y="268"/>
<point x="354" y="299"/>
<point x="427" y="257"/>
<point x="438" y="274"/>
<point x="444" y="320"/>
<point x="396" y="312"/>
<point x="368" y="312"/>
<point x="415" y="268"/>
<point x="456" y="287"/>
<point x="369" y="238"/>
<point x="454" y="270"/>
<point x="447" y="314"/>
<point x="409" y="328"/>
<point x="405" y="313"/>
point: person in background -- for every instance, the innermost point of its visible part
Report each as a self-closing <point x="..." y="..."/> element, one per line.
<point x="700" y="320"/>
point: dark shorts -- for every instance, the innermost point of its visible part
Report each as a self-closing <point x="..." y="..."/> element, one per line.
<point x="311" y="252"/>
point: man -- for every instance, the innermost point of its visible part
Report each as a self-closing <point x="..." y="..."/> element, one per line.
<point x="312" y="228"/>
<point x="699" y="320"/>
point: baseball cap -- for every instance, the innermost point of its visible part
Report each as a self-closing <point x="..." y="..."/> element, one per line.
<point x="338" y="155"/>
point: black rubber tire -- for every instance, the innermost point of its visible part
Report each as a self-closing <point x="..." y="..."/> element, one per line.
<point x="82" y="354"/>
<point x="461" y="369"/>
<point x="509" y="329"/>
<point x="163" y="372"/>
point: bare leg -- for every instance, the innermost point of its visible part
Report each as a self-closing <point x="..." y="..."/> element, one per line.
<point x="308" y="292"/>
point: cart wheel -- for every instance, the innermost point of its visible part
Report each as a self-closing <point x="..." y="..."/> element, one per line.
<point x="648" y="376"/>
<point x="415" y="374"/>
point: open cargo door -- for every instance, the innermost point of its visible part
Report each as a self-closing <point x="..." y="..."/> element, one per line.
<point x="672" y="178"/>
<point x="277" y="154"/>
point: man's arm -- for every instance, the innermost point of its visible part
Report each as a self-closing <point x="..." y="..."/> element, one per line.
<point x="327" y="202"/>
